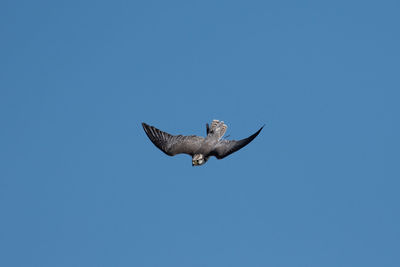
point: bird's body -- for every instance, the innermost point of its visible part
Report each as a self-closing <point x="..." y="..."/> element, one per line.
<point x="200" y="148"/>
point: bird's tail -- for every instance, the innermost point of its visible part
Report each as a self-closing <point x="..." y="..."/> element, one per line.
<point x="217" y="128"/>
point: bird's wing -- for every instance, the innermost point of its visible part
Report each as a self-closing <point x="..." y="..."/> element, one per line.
<point x="173" y="144"/>
<point x="227" y="147"/>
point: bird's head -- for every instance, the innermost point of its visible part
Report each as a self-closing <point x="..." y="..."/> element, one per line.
<point x="198" y="159"/>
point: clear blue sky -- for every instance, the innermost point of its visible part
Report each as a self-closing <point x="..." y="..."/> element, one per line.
<point x="81" y="185"/>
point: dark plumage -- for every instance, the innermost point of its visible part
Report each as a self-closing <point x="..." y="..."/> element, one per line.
<point x="199" y="148"/>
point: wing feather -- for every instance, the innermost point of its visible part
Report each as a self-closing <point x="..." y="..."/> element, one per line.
<point x="226" y="147"/>
<point x="173" y="144"/>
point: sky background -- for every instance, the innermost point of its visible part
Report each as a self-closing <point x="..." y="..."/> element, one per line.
<point x="81" y="185"/>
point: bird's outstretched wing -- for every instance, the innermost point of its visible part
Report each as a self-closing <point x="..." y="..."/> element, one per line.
<point x="227" y="147"/>
<point x="173" y="144"/>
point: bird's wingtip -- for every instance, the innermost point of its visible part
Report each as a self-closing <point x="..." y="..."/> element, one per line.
<point x="145" y="125"/>
<point x="262" y="127"/>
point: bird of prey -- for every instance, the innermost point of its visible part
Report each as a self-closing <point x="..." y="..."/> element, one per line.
<point x="200" y="148"/>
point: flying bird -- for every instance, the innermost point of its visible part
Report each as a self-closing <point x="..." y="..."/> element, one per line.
<point x="200" y="148"/>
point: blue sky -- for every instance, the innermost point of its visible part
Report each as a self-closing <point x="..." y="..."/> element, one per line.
<point x="81" y="185"/>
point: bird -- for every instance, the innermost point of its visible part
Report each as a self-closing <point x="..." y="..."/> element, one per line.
<point x="199" y="148"/>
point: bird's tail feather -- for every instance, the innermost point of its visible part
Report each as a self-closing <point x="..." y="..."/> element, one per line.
<point x="217" y="128"/>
